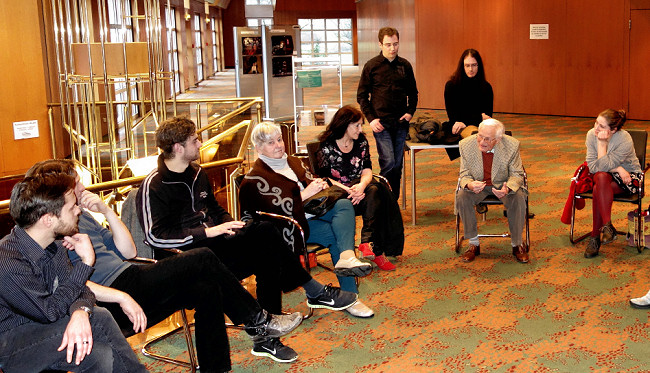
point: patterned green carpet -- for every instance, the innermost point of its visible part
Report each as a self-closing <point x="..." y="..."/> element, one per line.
<point x="559" y="313"/>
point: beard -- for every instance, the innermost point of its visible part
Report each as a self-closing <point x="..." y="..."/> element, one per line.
<point x="63" y="230"/>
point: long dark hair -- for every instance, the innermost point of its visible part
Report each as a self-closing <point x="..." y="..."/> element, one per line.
<point x="459" y="74"/>
<point x="339" y="124"/>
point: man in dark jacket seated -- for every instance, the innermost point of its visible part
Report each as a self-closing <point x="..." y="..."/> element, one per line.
<point x="138" y="295"/>
<point x="177" y="208"/>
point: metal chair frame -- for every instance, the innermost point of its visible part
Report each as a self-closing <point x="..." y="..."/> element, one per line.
<point x="640" y="139"/>
<point x="493" y="200"/>
<point x="192" y="364"/>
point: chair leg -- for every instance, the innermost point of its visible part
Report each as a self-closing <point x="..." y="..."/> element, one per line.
<point x="459" y="238"/>
<point x="638" y="234"/>
<point x="192" y="364"/>
<point x="571" y="230"/>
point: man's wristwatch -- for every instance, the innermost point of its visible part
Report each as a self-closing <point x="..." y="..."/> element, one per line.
<point x="88" y="310"/>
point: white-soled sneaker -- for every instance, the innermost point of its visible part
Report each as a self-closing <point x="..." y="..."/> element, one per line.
<point x="352" y="266"/>
<point x="274" y="349"/>
<point x="643" y="302"/>
<point x="360" y="310"/>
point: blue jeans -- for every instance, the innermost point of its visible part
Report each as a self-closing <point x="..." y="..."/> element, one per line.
<point x="33" y="347"/>
<point x="390" y="148"/>
<point x="336" y="231"/>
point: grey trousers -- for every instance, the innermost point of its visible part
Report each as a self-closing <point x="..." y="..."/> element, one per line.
<point x="514" y="202"/>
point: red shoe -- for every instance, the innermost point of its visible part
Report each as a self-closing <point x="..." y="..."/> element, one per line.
<point x="366" y="251"/>
<point x="383" y="263"/>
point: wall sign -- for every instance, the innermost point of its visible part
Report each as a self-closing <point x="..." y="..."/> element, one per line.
<point x="25" y="130"/>
<point x="309" y="79"/>
<point x="538" y="31"/>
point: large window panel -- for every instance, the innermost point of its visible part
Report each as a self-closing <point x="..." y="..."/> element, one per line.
<point x="330" y="37"/>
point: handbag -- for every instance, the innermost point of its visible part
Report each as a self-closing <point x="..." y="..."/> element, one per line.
<point x="320" y="203"/>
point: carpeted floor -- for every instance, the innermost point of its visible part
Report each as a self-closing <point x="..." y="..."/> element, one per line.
<point x="559" y="313"/>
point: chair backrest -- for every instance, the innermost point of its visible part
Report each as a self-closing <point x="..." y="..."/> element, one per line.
<point x="129" y="216"/>
<point x="640" y="140"/>
<point x="312" y="150"/>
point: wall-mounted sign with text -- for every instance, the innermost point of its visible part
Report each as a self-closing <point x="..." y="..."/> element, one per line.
<point x="25" y="130"/>
<point x="538" y="31"/>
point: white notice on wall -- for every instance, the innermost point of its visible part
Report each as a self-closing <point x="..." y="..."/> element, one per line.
<point x="25" y="130"/>
<point x="538" y="31"/>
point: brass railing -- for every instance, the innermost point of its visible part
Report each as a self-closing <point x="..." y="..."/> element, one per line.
<point x="113" y="185"/>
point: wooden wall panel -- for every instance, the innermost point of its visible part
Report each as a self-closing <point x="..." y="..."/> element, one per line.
<point x="375" y="14"/>
<point x="639" y="107"/>
<point x="23" y="94"/>
<point x="488" y="28"/>
<point x="594" y="57"/>
<point x="439" y="45"/>
<point x="302" y="5"/>
<point x="234" y="16"/>
<point x="586" y="55"/>
<point x="539" y="65"/>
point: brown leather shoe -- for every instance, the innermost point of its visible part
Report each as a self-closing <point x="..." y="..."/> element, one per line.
<point x="521" y="253"/>
<point x="471" y="253"/>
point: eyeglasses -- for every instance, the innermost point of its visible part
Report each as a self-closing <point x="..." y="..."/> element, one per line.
<point x="473" y="66"/>
<point x="483" y="138"/>
<point x="388" y="45"/>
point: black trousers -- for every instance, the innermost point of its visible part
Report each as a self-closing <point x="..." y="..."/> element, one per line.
<point x="195" y="279"/>
<point x="258" y="249"/>
<point x="382" y="220"/>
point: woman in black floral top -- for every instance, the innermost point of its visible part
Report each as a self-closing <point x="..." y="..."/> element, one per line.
<point x="344" y="156"/>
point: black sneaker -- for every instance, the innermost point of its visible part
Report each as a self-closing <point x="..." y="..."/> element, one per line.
<point x="332" y="298"/>
<point x="273" y="348"/>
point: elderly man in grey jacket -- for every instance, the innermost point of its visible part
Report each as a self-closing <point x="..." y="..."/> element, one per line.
<point x="490" y="164"/>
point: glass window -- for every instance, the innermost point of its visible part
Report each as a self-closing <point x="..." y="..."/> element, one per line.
<point x="215" y="45"/>
<point x="318" y="35"/>
<point x="172" y="47"/>
<point x="327" y="37"/>
<point x="318" y="24"/>
<point x="333" y="36"/>
<point x="305" y="24"/>
<point x="332" y="48"/>
<point x="198" y="50"/>
<point x="332" y="24"/>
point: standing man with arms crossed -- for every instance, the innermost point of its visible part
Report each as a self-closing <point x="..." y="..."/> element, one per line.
<point x="388" y="96"/>
<point x="48" y="318"/>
